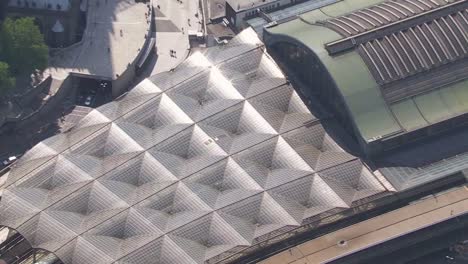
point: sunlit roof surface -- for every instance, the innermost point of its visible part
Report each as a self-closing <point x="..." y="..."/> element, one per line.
<point x="206" y="160"/>
<point x="400" y="66"/>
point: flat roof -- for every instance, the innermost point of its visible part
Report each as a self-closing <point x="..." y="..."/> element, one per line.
<point x="240" y="5"/>
<point x="287" y="13"/>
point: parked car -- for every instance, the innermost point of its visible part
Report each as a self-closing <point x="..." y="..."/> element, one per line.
<point x="9" y="161"/>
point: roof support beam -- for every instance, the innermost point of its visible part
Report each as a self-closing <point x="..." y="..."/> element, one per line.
<point x="351" y="42"/>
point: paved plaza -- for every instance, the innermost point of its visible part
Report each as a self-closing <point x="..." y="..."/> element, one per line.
<point x="174" y="21"/>
<point x="115" y="33"/>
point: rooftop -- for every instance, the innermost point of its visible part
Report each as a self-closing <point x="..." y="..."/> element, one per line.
<point x="417" y="37"/>
<point x="287" y="13"/>
<point x="190" y="166"/>
<point x="399" y="65"/>
<point x="239" y="5"/>
<point x="199" y="164"/>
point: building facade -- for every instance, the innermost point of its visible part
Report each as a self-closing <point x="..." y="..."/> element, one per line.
<point x="60" y="21"/>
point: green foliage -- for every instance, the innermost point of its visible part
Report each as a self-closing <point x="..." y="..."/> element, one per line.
<point x="22" y="45"/>
<point x="7" y="82"/>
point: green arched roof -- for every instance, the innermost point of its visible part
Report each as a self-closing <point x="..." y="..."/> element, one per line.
<point x="372" y="116"/>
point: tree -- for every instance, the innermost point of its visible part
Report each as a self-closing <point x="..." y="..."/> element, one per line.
<point x="22" y="45"/>
<point x="7" y="82"/>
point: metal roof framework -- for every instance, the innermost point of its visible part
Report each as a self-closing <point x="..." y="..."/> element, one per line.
<point x="287" y="14"/>
<point x="392" y="114"/>
<point x="209" y="159"/>
<point x="401" y="39"/>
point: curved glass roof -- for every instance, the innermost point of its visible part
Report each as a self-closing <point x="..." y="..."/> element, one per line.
<point x="206" y="160"/>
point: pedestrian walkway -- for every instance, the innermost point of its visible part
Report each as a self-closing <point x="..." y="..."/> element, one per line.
<point x="115" y="33"/>
<point x="174" y="21"/>
<point x="374" y="231"/>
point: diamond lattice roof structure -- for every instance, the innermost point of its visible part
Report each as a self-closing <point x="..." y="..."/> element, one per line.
<point x="191" y="164"/>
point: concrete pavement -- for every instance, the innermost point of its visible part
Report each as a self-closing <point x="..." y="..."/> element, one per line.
<point x="114" y="35"/>
<point x="174" y="21"/>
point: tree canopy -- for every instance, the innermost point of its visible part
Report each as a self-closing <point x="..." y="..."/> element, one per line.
<point x="22" y="45"/>
<point x="7" y="82"/>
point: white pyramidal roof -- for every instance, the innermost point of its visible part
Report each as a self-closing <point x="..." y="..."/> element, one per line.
<point x="191" y="165"/>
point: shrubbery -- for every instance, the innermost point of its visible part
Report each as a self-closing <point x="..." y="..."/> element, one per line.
<point x="22" y="50"/>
